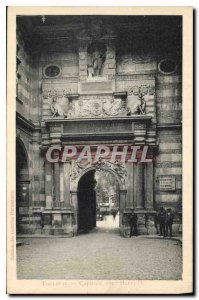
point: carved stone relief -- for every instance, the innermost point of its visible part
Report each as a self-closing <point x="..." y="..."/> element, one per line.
<point x="97" y="107"/>
<point x="77" y="168"/>
<point x="136" y="103"/>
<point x="127" y="62"/>
<point x="55" y="93"/>
<point x="60" y="107"/>
<point x="59" y="104"/>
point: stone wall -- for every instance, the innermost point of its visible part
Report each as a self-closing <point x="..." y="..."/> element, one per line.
<point x="23" y="86"/>
<point x="134" y="71"/>
<point x="28" y="107"/>
<point x="169" y="156"/>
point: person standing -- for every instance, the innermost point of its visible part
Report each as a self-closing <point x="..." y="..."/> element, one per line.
<point x="133" y="223"/>
<point x="169" y="222"/>
<point x="161" y="221"/>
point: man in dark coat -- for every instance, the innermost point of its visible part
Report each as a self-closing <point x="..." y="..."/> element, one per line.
<point x="162" y="221"/>
<point x="133" y="223"/>
<point x="169" y="222"/>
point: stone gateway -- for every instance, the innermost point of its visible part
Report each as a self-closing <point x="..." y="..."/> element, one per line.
<point x="91" y="97"/>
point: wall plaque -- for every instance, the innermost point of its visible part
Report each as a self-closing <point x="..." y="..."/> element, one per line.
<point x="96" y="86"/>
<point x="167" y="183"/>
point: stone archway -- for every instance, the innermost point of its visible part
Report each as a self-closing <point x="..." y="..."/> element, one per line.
<point x="78" y="172"/>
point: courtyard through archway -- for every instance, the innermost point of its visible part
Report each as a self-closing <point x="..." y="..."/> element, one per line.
<point x="98" y="201"/>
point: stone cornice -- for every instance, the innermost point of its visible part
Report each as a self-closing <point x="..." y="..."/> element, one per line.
<point x="169" y="126"/>
<point x="25" y="123"/>
<point x="132" y="118"/>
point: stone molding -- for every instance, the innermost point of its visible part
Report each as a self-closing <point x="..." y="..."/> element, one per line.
<point x="117" y="168"/>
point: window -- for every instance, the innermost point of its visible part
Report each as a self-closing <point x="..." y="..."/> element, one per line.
<point x="167" y="66"/>
<point x="52" y="71"/>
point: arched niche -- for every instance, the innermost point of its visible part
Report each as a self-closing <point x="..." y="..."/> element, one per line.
<point x="96" y="56"/>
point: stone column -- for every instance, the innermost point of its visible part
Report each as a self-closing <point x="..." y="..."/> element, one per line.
<point x="110" y="60"/>
<point x="56" y="184"/>
<point x="66" y="179"/>
<point x="35" y="181"/>
<point x="83" y="59"/>
<point x="74" y="200"/>
<point x="139" y="186"/>
<point x="122" y="204"/>
<point x="61" y="167"/>
<point x="130" y="178"/>
<point x="48" y="185"/>
<point x="149" y="186"/>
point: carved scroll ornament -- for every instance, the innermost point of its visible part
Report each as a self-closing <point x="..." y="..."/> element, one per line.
<point x="77" y="168"/>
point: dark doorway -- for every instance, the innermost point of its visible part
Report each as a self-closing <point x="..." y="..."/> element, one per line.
<point x="87" y="202"/>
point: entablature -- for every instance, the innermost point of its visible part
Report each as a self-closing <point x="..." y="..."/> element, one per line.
<point x="138" y="130"/>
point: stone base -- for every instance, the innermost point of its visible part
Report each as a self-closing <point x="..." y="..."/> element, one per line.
<point x="142" y="230"/>
<point x="152" y="230"/>
<point x="58" y="231"/>
<point x="46" y="231"/>
<point x="125" y="231"/>
<point x="29" y="229"/>
<point x="180" y="228"/>
<point x="177" y="228"/>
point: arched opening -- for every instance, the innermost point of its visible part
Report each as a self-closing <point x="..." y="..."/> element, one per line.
<point x="107" y="199"/>
<point x="22" y="186"/>
<point x="98" y="201"/>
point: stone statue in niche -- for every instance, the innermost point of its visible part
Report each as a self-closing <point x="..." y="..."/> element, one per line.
<point x="60" y="107"/>
<point x="96" y="59"/>
<point x="135" y="104"/>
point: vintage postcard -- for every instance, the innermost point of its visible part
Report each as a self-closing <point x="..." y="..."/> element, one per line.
<point x="99" y="150"/>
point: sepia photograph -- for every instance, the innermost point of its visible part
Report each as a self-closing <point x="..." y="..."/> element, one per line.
<point x="98" y="194"/>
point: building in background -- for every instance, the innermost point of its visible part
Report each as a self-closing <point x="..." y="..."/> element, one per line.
<point x="85" y="80"/>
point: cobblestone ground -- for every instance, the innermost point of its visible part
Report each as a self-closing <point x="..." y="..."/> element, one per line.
<point x="101" y="254"/>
